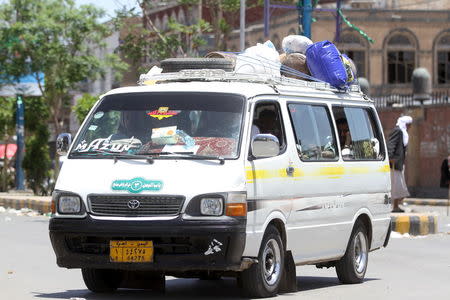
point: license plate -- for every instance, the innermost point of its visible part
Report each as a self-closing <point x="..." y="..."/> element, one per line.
<point x="131" y="251"/>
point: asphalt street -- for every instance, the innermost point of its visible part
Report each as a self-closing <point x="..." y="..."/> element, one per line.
<point x="409" y="268"/>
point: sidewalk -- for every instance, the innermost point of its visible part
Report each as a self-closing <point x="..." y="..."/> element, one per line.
<point x="41" y="204"/>
<point x="428" y="202"/>
<point x="422" y="216"/>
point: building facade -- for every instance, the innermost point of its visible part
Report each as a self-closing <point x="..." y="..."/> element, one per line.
<point x="404" y="39"/>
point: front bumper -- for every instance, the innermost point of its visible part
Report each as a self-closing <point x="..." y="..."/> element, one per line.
<point x="179" y="245"/>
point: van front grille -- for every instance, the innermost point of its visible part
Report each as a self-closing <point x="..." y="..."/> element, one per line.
<point x="135" y="206"/>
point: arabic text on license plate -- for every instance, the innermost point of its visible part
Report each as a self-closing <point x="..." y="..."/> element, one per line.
<point x="131" y="251"/>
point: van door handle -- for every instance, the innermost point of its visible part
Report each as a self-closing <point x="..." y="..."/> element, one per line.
<point x="290" y="171"/>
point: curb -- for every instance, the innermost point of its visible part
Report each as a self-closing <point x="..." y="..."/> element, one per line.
<point x="42" y="205"/>
<point x="431" y="202"/>
<point x="414" y="224"/>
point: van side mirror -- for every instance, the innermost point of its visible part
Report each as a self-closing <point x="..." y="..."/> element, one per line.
<point x="63" y="143"/>
<point x="265" y="145"/>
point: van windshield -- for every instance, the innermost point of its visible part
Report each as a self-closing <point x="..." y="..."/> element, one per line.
<point x="157" y="124"/>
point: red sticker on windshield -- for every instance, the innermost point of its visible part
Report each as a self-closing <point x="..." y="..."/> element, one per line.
<point x="163" y="112"/>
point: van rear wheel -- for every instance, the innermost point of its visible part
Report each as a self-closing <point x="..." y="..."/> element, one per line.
<point x="101" y="281"/>
<point x="263" y="278"/>
<point x="352" y="267"/>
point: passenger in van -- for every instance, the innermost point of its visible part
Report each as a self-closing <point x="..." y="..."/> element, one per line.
<point x="345" y="138"/>
<point x="267" y="123"/>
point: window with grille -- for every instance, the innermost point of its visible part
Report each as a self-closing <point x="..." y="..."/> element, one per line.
<point x="401" y="59"/>
<point x="443" y="59"/>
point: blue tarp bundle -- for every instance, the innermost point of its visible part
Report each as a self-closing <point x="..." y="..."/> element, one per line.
<point x="325" y="63"/>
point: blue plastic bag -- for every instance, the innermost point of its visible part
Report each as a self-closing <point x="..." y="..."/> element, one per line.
<point x="325" y="63"/>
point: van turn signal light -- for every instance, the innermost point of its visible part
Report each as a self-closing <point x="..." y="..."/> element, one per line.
<point x="236" y="209"/>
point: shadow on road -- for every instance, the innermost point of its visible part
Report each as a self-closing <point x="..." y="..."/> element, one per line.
<point x="306" y="283"/>
<point x="189" y="289"/>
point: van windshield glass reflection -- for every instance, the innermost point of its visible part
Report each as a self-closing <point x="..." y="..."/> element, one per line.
<point x="203" y="124"/>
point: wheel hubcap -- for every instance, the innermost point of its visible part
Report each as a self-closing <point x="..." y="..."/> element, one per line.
<point x="360" y="253"/>
<point x="271" y="262"/>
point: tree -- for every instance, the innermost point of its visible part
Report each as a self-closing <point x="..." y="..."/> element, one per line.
<point x="144" y="43"/>
<point x="37" y="162"/>
<point x="7" y="130"/>
<point x="83" y="106"/>
<point x="56" y="39"/>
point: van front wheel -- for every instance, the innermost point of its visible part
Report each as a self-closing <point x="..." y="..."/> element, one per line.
<point x="262" y="279"/>
<point x="352" y="267"/>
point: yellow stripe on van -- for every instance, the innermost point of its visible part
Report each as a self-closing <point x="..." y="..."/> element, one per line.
<point x="331" y="172"/>
<point x="357" y="170"/>
<point x="268" y="174"/>
<point x="384" y="169"/>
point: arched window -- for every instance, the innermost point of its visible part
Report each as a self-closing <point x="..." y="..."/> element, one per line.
<point x="443" y="58"/>
<point x="181" y="17"/>
<point x="157" y="23"/>
<point x="400" y="57"/>
<point x="165" y="22"/>
<point x="355" y="46"/>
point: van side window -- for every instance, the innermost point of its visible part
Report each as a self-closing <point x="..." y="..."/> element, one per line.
<point x="312" y="127"/>
<point x="267" y="120"/>
<point x="359" y="136"/>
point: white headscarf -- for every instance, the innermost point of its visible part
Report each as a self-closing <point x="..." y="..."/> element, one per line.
<point x="401" y="122"/>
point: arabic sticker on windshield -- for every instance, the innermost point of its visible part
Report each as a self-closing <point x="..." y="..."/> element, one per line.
<point x="98" y="115"/>
<point x="93" y="127"/>
<point x="163" y="112"/>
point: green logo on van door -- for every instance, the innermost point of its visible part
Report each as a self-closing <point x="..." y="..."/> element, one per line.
<point x="136" y="185"/>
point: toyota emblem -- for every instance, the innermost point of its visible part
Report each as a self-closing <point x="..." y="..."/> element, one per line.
<point x="133" y="204"/>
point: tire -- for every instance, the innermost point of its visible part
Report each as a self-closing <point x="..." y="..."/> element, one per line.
<point x="352" y="267"/>
<point x="178" y="64"/>
<point x="101" y="281"/>
<point x="263" y="279"/>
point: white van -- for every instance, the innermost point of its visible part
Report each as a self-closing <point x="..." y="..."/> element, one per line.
<point x="206" y="173"/>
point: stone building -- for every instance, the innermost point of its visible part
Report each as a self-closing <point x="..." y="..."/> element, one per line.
<point x="407" y="34"/>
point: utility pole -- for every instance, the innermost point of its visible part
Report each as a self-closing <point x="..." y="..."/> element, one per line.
<point x="307" y="17"/>
<point x="337" y="37"/>
<point x="266" y="17"/>
<point x="242" y="26"/>
<point x="20" y="130"/>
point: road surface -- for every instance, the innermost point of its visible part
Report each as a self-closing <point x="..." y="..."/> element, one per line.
<point x="409" y="268"/>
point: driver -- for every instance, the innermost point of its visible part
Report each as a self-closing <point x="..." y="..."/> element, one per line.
<point x="133" y="124"/>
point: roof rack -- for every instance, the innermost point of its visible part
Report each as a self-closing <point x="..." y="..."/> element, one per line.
<point x="221" y="75"/>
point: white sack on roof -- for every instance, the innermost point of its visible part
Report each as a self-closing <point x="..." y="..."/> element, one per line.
<point x="295" y="44"/>
<point x="259" y="59"/>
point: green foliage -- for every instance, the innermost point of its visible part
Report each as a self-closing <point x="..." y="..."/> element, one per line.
<point x="83" y="106"/>
<point x="7" y="124"/>
<point x="7" y="130"/>
<point x="56" y="38"/>
<point x="144" y="42"/>
<point x="37" y="162"/>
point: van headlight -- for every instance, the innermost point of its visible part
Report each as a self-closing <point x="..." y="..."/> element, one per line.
<point x="69" y="204"/>
<point x="211" y="206"/>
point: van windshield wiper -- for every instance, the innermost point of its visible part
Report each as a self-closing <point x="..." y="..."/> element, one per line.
<point x="193" y="156"/>
<point x="148" y="158"/>
<point x="114" y="155"/>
